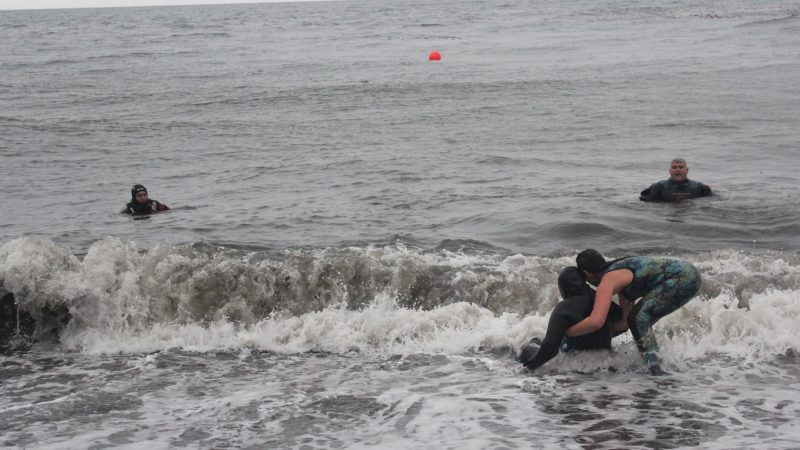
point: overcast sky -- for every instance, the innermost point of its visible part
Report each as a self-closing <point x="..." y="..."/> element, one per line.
<point x="42" y="4"/>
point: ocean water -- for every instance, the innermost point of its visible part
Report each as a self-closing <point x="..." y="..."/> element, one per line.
<point x="360" y="239"/>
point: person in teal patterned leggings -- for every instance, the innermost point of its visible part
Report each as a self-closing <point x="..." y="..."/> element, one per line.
<point x="662" y="285"/>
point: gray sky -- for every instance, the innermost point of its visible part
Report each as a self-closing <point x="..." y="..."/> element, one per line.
<point x="42" y="4"/>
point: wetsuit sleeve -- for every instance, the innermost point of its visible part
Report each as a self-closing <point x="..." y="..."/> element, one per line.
<point x="158" y="206"/>
<point x="705" y="190"/>
<point x="654" y="194"/>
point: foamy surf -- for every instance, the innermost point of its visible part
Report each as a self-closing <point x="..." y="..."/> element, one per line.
<point x="384" y="301"/>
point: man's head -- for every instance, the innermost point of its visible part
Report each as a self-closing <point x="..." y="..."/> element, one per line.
<point x="678" y="170"/>
<point x="592" y="264"/>
<point x="139" y="194"/>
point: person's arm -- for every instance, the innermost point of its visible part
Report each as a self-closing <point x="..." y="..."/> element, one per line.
<point x="655" y="192"/>
<point x="611" y="283"/>
<point x="705" y="191"/>
<point x="160" y="206"/>
<point x="621" y="324"/>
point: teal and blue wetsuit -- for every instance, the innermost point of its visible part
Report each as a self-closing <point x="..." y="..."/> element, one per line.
<point x="664" y="285"/>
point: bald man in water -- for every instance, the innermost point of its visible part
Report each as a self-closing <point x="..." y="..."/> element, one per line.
<point x="677" y="188"/>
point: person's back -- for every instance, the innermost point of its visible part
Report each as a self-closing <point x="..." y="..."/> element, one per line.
<point x="648" y="272"/>
<point x="677" y="188"/>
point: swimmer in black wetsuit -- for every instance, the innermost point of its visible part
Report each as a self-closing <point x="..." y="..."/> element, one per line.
<point x="576" y="306"/>
<point x="677" y="188"/>
<point x="141" y="203"/>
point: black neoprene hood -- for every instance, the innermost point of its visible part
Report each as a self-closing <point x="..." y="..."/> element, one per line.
<point x="591" y="261"/>
<point x="136" y="189"/>
<point x="571" y="283"/>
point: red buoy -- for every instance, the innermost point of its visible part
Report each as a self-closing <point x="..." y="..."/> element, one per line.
<point x="435" y="56"/>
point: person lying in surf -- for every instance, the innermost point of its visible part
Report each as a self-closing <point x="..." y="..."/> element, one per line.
<point x="662" y="285"/>
<point x="577" y="304"/>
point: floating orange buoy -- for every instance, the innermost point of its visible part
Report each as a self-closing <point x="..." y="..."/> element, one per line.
<point x="435" y="56"/>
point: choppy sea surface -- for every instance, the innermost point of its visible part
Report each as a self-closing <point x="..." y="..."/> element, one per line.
<point x="360" y="239"/>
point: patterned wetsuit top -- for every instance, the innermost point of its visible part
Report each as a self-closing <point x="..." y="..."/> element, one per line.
<point x="648" y="273"/>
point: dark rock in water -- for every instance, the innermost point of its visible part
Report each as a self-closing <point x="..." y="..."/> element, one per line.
<point x="13" y="322"/>
<point x="19" y="326"/>
<point x="50" y="324"/>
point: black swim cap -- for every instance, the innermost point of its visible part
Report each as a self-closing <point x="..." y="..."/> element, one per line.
<point x="591" y="261"/>
<point x="136" y="189"/>
<point x="571" y="283"/>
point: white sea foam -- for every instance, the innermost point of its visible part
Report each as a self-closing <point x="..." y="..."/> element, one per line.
<point x="123" y="300"/>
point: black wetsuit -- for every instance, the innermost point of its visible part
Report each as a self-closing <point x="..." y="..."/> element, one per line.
<point x="150" y="206"/>
<point x="671" y="191"/>
<point x="577" y="305"/>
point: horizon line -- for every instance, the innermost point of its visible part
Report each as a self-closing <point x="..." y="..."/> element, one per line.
<point x="152" y="4"/>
